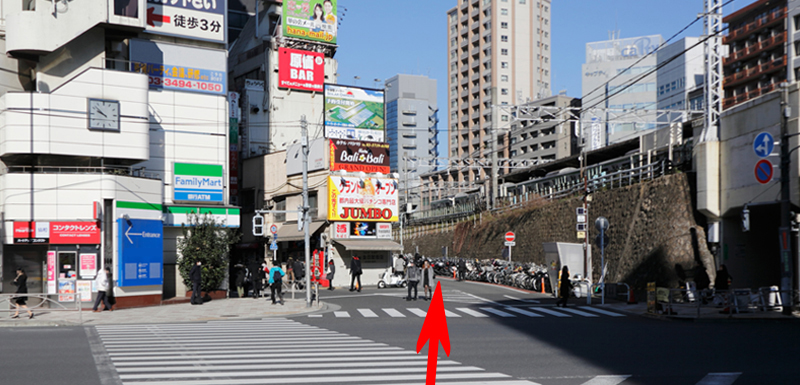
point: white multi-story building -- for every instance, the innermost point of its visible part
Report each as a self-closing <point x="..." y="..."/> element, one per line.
<point x="681" y="70"/>
<point x="113" y="129"/>
<point x="618" y="74"/>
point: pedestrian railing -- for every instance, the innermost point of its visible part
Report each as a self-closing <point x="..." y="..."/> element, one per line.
<point x="704" y="302"/>
<point x="613" y="290"/>
<point x="47" y="303"/>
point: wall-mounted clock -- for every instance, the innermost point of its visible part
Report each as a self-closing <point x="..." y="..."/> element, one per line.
<point x="103" y="114"/>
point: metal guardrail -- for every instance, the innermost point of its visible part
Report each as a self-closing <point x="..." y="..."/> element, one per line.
<point x="731" y="301"/>
<point x="47" y="304"/>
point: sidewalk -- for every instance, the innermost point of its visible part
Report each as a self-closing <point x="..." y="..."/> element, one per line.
<point x="688" y="312"/>
<point x="220" y="309"/>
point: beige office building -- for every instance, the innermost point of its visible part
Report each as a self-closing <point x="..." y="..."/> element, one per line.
<point x="498" y="54"/>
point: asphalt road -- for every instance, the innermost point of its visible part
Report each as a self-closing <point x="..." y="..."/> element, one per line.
<point x="505" y="335"/>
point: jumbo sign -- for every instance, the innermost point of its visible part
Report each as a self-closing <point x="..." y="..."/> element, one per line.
<point x="354" y="156"/>
<point x="365" y="200"/>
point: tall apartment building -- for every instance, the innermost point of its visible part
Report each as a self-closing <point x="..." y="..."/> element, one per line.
<point x="604" y="61"/>
<point x="114" y="128"/>
<point x="555" y="137"/>
<point x="758" y="59"/>
<point x="498" y="54"/>
<point x="412" y="128"/>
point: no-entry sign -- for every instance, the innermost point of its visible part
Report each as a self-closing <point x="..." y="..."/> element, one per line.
<point x="510" y="236"/>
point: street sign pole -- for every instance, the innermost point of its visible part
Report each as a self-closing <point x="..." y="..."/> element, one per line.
<point x="306" y="235"/>
<point x="602" y="267"/>
<point x="509" y="253"/>
<point x="786" y="253"/>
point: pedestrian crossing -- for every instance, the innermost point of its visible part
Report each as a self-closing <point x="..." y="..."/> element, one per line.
<point x="271" y="351"/>
<point x="480" y="312"/>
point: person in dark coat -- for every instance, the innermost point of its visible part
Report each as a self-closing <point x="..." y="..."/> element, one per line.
<point x="255" y="277"/>
<point x="299" y="270"/>
<point x="355" y="272"/>
<point x="196" y="275"/>
<point x="413" y="272"/>
<point x="564" y="288"/>
<point x="239" y="279"/>
<point x="427" y="279"/>
<point x="21" y="282"/>
<point x="462" y="269"/>
<point x="721" y="282"/>
<point x="331" y="273"/>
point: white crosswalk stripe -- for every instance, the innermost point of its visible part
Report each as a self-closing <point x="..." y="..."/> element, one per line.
<point x="173" y="355"/>
<point x="480" y="312"/>
<point x="521" y="300"/>
<point x="606" y="380"/>
<point x="719" y="379"/>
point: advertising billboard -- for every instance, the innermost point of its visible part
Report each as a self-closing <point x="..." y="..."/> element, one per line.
<point x="63" y="233"/>
<point x="362" y="200"/>
<point x="196" y="19"/>
<point x="301" y="70"/>
<point x="355" y="156"/>
<point x="180" y="68"/>
<point x="354" y="113"/>
<point x="197" y="183"/>
<point x="310" y="20"/>
<point x="141" y="252"/>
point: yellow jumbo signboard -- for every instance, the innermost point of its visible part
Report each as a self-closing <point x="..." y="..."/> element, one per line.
<point x="362" y="199"/>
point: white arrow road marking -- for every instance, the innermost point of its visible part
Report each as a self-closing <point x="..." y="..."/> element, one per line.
<point x="719" y="379"/>
<point x="606" y="380"/>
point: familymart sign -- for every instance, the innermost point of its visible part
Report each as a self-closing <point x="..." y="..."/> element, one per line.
<point x="197" y="183"/>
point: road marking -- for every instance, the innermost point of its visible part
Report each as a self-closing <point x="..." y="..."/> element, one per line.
<point x="523" y="312"/>
<point x="719" y="378"/>
<point x="521" y="300"/>
<point x="580" y="313"/>
<point x="367" y="313"/>
<point x="394" y="313"/>
<point x="551" y="312"/>
<point x="601" y="311"/>
<point x="418" y="312"/>
<point x="448" y="313"/>
<point x="380" y="378"/>
<point x="279" y="373"/>
<point x="186" y="360"/>
<point x="341" y="314"/>
<point x="498" y="312"/>
<point x="315" y="316"/>
<point x="471" y="312"/>
<point x="268" y="366"/>
<point x="606" y="380"/>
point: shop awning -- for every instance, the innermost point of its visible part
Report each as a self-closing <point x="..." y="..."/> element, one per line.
<point x="369" y="245"/>
<point x="288" y="232"/>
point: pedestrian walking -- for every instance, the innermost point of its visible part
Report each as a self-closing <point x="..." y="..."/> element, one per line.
<point x="564" y="287"/>
<point x="290" y="270"/>
<point x="299" y="270"/>
<point x="240" y="272"/>
<point x="427" y="280"/>
<point x="721" y="282"/>
<point x="276" y="281"/>
<point x="103" y="287"/>
<point x="400" y="266"/>
<point x="331" y="273"/>
<point x="196" y="275"/>
<point x="255" y="277"/>
<point x="355" y="272"/>
<point x="462" y="269"/>
<point x="413" y="272"/>
<point x="21" y="282"/>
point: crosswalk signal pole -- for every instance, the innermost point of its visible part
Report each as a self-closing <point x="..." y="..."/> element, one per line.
<point x="306" y="235"/>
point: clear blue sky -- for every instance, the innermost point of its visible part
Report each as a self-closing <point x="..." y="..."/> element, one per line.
<point x="379" y="39"/>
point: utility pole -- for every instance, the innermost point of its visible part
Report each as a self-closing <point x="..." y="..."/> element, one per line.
<point x="306" y="235"/>
<point x="493" y="192"/>
<point x="403" y="212"/>
<point x="785" y="230"/>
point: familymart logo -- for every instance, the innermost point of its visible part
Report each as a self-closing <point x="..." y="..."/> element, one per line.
<point x="198" y="183"/>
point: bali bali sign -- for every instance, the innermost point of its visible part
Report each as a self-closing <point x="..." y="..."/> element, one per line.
<point x="198" y="183"/>
<point x="301" y="70"/>
<point x="310" y="20"/>
<point x="355" y="156"/>
<point x="364" y="200"/>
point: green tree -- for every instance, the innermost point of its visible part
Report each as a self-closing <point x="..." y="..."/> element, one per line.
<point x="206" y="241"/>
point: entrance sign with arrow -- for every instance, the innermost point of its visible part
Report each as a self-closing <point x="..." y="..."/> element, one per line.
<point x="434" y="329"/>
<point x="141" y="252"/>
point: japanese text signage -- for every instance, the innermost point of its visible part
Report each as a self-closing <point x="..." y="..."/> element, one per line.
<point x="354" y="156"/>
<point x="193" y="19"/>
<point x="180" y="68"/>
<point x="310" y="20"/>
<point x="301" y="70"/>
<point x="364" y="200"/>
<point x="75" y="233"/>
<point x="198" y="183"/>
<point x="354" y="113"/>
<point x="141" y="252"/>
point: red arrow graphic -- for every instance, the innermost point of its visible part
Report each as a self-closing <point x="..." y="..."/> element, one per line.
<point x="435" y="330"/>
<point x="152" y="17"/>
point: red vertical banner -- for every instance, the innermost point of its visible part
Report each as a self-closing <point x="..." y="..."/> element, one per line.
<point x="51" y="272"/>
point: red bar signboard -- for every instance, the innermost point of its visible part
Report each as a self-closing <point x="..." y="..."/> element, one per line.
<point x="301" y="70"/>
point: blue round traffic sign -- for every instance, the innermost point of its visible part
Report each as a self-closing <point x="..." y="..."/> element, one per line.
<point x="763" y="171"/>
<point x="763" y="145"/>
<point x="273" y="229"/>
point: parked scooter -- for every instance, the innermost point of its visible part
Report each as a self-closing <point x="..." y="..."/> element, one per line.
<point x="388" y="278"/>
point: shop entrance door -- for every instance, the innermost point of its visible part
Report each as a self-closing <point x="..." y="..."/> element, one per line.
<point x="67" y="275"/>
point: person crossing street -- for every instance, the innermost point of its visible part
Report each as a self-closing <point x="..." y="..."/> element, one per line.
<point x="276" y="281"/>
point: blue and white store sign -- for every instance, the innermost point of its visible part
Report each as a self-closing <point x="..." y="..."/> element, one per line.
<point x="193" y="19"/>
<point x="198" y="183"/>
<point x="141" y="252"/>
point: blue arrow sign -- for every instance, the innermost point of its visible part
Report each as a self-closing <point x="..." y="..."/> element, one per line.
<point x="273" y="246"/>
<point x="763" y="145"/>
<point x="140" y="244"/>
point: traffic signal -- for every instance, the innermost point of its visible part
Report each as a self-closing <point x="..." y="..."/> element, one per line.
<point x="745" y="220"/>
<point x="258" y="225"/>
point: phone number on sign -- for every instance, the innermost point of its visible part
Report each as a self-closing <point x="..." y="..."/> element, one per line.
<point x="188" y="84"/>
